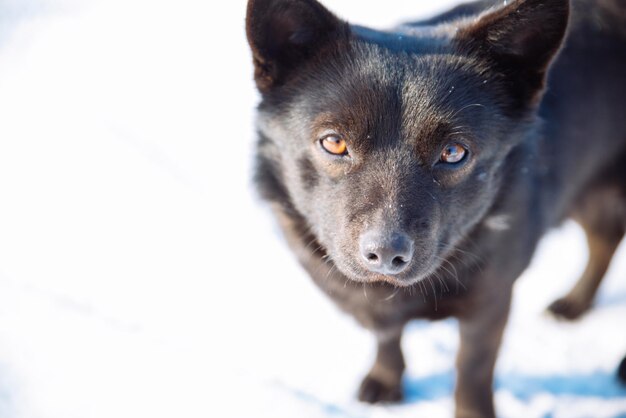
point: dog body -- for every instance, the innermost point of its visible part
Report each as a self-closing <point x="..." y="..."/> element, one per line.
<point x="414" y="171"/>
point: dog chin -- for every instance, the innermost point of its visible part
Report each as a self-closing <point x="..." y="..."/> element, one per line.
<point x="395" y="281"/>
<point x="407" y="279"/>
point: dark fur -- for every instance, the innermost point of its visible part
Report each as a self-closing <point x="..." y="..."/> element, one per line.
<point x="475" y="75"/>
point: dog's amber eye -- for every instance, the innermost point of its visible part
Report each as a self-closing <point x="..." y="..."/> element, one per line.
<point x="453" y="153"/>
<point x="334" y="145"/>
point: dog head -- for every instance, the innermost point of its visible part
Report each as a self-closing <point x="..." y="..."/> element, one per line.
<point x="391" y="146"/>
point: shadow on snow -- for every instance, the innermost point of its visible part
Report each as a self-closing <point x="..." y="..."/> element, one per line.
<point x="524" y="387"/>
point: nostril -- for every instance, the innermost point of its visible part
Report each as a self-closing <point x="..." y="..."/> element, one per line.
<point x="386" y="252"/>
<point x="398" y="261"/>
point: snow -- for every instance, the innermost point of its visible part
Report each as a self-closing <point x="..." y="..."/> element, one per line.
<point x="140" y="276"/>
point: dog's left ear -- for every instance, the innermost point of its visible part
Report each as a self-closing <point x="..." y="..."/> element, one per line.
<point x="283" y="34"/>
<point x="520" y="40"/>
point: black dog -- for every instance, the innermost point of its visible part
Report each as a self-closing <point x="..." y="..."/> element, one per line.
<point x="414" y="171"/>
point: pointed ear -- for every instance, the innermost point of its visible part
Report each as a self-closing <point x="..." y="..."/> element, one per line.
<point x="284" y="33"/>
<point x="520" y="39"/>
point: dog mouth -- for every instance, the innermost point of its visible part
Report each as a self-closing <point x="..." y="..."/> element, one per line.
<point x="392" y="280"/>
<point x="417" y="272"/>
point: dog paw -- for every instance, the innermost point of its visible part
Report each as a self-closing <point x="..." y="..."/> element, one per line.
<point x="374" y="391"/>
<point x="568" y="308"/>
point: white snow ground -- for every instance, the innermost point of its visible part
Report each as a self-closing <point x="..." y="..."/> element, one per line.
<point x="139" y="277"/>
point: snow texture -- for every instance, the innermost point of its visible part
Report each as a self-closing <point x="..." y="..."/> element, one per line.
<point x="141" y="277"/>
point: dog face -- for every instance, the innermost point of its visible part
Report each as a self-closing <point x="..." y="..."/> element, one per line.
<point x="392" y="146"/>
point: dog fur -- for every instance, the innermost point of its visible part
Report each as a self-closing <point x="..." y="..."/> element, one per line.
<point x="533" y="91"/>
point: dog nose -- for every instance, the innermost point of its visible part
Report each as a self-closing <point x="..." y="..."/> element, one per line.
<point x="386" y="253"/>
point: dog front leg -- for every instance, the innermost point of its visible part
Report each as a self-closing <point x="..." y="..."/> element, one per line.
<point x="384" y="381"/>
<point x="481" y="334"/>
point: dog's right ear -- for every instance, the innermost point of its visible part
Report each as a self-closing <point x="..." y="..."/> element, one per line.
<point x="285" y="33"/>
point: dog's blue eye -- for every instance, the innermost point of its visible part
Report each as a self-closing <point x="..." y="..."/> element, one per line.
<point x="453" y="154"/>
